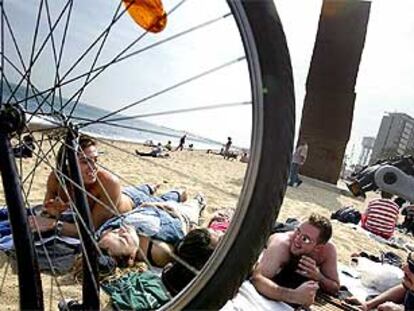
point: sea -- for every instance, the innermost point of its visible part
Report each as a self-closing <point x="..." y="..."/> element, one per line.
<point x="131" y="130"/>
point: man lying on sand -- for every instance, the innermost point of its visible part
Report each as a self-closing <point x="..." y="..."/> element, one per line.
<point x="295" y="264"/>
<point x="103" y="189"/>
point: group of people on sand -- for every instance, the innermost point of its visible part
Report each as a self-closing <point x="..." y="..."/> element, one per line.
<point x="230" y="154"/>
<point x="133" y="224"/>
<point x="160" y="151"/>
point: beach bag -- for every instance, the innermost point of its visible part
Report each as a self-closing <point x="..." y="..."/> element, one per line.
<point x="347" y="214"/>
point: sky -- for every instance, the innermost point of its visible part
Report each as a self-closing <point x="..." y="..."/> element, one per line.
<point x="384" y="83"/>
<point x="386" y="73"/>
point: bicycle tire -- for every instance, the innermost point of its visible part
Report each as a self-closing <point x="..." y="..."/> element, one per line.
<point x="266" y="178"/>
<point x="272" y="141"/>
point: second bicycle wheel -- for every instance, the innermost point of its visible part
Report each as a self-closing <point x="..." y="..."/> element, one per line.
<point x="51" y="63"/>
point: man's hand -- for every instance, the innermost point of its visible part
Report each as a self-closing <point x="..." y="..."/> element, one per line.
<point x="55" y="207"/>
<point x="305" y="293"/>
<point x="390" y="306"/>
<point x="307" y="267"/>
<point x="41" y="223"/>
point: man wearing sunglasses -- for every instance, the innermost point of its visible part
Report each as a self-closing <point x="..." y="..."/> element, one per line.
<point x="296" y="264"/>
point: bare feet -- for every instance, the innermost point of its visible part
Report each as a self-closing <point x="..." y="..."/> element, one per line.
<point x="183" y="195"/>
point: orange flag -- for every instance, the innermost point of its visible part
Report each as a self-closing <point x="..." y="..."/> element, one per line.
<point x="149" y="14"/>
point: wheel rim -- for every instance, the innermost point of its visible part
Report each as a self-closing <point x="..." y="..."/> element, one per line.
<point x="256" y="148"/>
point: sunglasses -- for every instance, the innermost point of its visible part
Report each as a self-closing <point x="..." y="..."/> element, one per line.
<point x="304" y="238"/>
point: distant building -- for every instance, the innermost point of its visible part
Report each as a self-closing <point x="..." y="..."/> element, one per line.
<point x="395" y="136"/>
<point x="367" y="147"/>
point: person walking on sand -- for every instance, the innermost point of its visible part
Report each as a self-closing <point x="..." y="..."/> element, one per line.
<point x="182" y="142"/>
<point x="227" y="146"/>
<point x="298" y="159"/>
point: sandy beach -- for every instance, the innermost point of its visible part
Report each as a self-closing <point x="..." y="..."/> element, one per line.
<point x="220" y="180"/>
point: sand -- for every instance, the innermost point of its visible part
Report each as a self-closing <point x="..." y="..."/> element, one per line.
<point x="220" y="180"/>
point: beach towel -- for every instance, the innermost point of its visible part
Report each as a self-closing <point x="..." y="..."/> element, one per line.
<point x="247" y="299"/>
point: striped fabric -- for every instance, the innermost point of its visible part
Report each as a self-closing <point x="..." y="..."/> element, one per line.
<point x="381" y="217"/>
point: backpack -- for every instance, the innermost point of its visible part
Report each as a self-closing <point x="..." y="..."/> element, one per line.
<point x="347" y="214"/>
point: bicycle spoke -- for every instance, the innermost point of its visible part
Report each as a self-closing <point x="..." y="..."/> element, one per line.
<point x="37" y="164"/>
<point x="73" y="73"/>
<point x="192" y="178"/>
<point x="54" y="49"/>
<point x="3" y="280"/>
<point x="32" y="63"/>
<point x="28" y="72"/>
<point x="135" y="53"/>
<point x="119" y="55"/>
<point x="170" y="112"/>
<point x="17" y="49"/>
<point x="174" y="86"/>
<point x="82" y="88"/>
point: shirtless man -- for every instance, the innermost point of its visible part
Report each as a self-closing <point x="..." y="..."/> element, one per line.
<point x="103" y="190"/>
<point x="295" y="264"/>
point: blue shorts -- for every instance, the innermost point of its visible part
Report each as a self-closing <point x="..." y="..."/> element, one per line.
<point x="148" y="221"/>
<point x="142" y="193"/>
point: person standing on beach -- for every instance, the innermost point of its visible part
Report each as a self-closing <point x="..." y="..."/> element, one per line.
<point x="298" y="159"/>
<point x="227" y="147"/>
<point x="182" y="142"/>
<point x="296" y="264"/>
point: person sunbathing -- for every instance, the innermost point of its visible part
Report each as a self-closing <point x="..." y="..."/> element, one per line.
<point x="104" y="195"/>
<point x="296" y="264"/>
<point x="150" y="231"/>
<point x="193" y="251"/>
<point x="156" y="152"/>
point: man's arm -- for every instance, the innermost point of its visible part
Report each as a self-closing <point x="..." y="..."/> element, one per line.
<point x="108" y="199"/>
<point x="270" y="264"/>
<point x="52" y="203"/>
<point x="42" y="224"/>
<point x="302" y="295"/>
<point x="395" y="294"/>
<point x="102" y="208"/>
<point x="328" y="277"/>
<point x="327" y="274"/>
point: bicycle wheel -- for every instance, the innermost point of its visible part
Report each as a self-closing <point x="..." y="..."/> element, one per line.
<point x="270" y="88"/>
